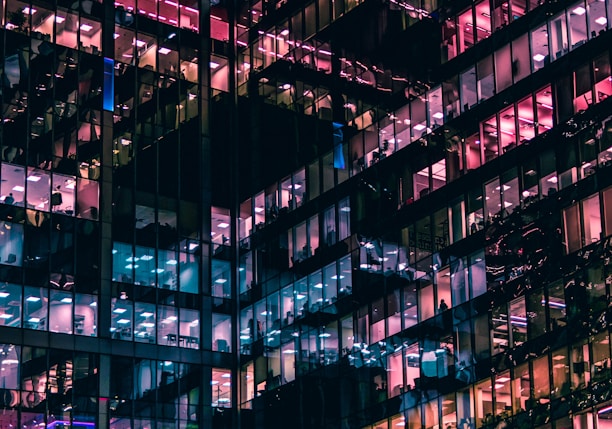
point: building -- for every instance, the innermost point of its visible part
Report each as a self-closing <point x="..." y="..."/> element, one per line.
<point x="315" y="214"/>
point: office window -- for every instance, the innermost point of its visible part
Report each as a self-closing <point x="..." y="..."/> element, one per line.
<point x="597" y="17"/>
<point x="344" y="218"/>
<point x="507" y="129"/>
<point x="63" y="194"/>
<point x="500" y="339"/>
<point x="329" y="222"/>
<point x="571" y="222"/>
<point x="143" y="266"/>
<point x="288" y="352"/>
<point x="431" y="414"/>
<point x="576" y="18"/>
<point x="60" y="312"/>
<point x="539" y="47"/>
<point x="486" y="78"/>
<point x="328" y="343"/>
<point x="273" y="322"/>
<point x="449" y="40"/>
<point x="330" y="283"/>
<point x="530" y="181"/>
<point x="592" y="219"/>
<point x="503" y="398"/>
<point x="259" y="209"/>
<point x="438" y="174"/>
<point x="377" y="320"/>
<point x="11" y="243"/>
<point x="313" y="180"/>
<point x="67" y="26"/>
<point x="500" y="15"/>
<point x="300" y="247"/>
<point x="220" y="385"/>
<point x="557" y="36"/>
<point x="503" y="63"/>
<point x="521" y="61"/>
<point x="560" y="373"/>
<point x="483" y="20"/>
<point x="549" y="180"/>
<point x="88" y="198"/>
<point x="421" y="182"/>
<point x="285" y="194"/>
<point x="221" y="278"/>
<point x="489" y="137"/>
<point x="465" y="30"/>
<point x="557" y="305"/>
<point x="167" y="326"/>
<point x="189" y="15"/>
<point x="301" y="297"/>
<point x="521" y="388"/>
<point x="418" y="113"/>
<point x="313" y="234"/>
<point x="287" y="303"/>
<point x="456" y="215"/>
<point x="395" y="377"/>
<point x="245" y="222"/>
<point x="426" y="305"/>
<point x="600" y="345"/>
<point x="580" y="365"/>
<point x="510" y="193"/>
<point x="519" y="8"/>
<point x="328" y="172"/>
<point x="536" y="314"/>
<point x="221" y="332"/>
<point x="346" y="335"/>
<point x="38" y="188"/>
<point x="189" y="328"/>
<point x="220" y="228"/>
<point x="247" y="330"/>
<point x="166" y="269"/>
<point x="475" y="214"/>
<point x="315" y="291"/>
<point x="10" y="302"/>
<point x="492" y="199"/>
<point x="90" y="32"/>
<point x="271" y="199"/>
<point x="410" y="307"/>
<point x="603" y="81"/>
<point x="412" y="366"/>
<point x="259" y="322"/>
<point x="526" y="120"/>
<point x="12" y="187"/>
<point x="443" y="289"/>
<point x="189" y="273"/>
<point x="477" y="273"/>
<point x="544" y="110"/>
<point x="483" y="395"/>
<point x="583" y="96"/>
<point x="144" y="322"/>
<point x="518" y="321"/>
<point x="469" y="89"/>
<point x="541" y="383"/>
<point x="121" y="317"/>
<point x="345" y="276"/>
<point x="435" y="110"/>
<point x="298" y="187"/>
<point x="245" y="271"/>
<point x="11" y="366"/>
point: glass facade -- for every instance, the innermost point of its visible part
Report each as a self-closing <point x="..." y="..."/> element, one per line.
<point x="341" y="214"/>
